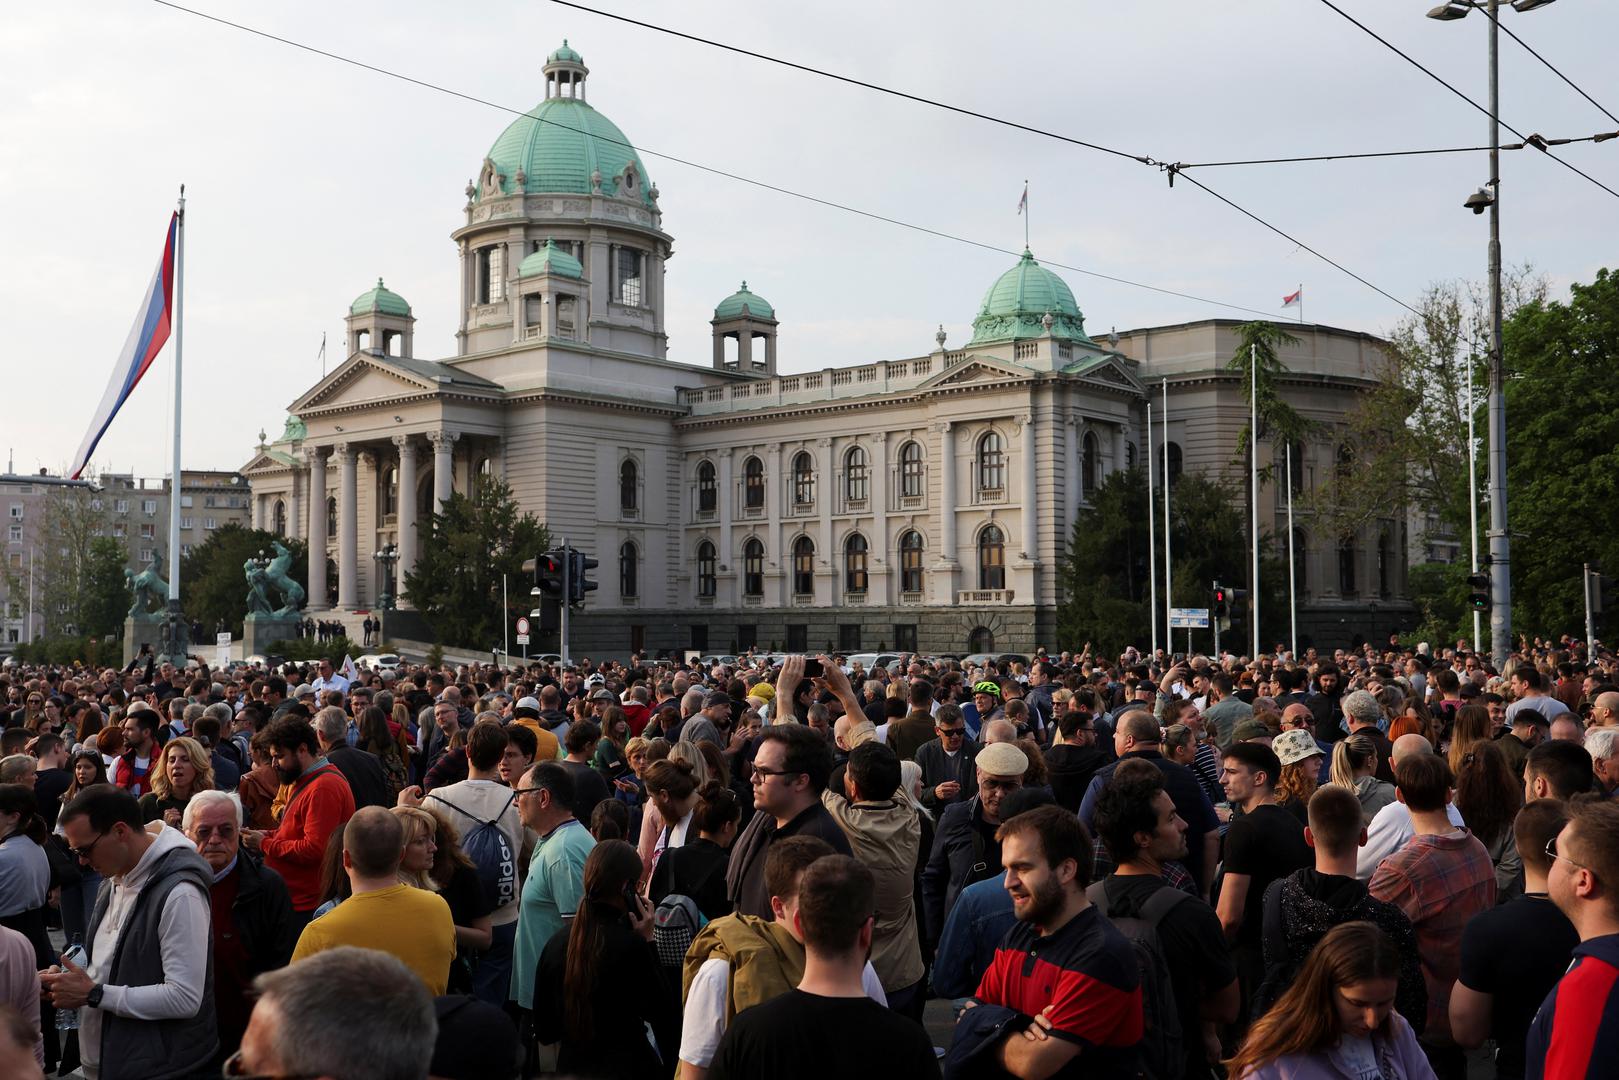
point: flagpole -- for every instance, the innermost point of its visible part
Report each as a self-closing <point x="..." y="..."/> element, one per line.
<point x="1152" y="543"/>
<point x="323" y="354"/>
<point x="1025" y="214"/>
<point x="1301" y="303"/>
<point x="1253" y="472"/>
<point x="1169" y="593"/>
<point x="1292" y="595"/>
<point x="174" y="490"/>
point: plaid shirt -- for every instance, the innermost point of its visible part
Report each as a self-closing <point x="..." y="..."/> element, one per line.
<point x="1174" y="872"/>
<point x="1440" y="882"/>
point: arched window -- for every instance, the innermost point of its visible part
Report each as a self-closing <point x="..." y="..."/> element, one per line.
<point x="1175" y="464"/>
<point x="1347" y="556"/>
<point x="980" y="640"/>
<point x="910" y="470"/>
<point x="1130" y="455"/>
<point x="753" y="568"/>
<point x="1090" y="466"/>
<point x="1385" y="561"/>
<point x="1295" y="467"/>
<point x="854" y="564"/>
<point x="708" y="497"/>
<point x="279" y="516"/>
<point x="803" y="479"/>
<point x="390" y="492"/>
<point x="629" y="494"/>
<point x="1301" y="577"/>
<point x="855" y="478"/>
<point x="1346" y="462"/>
<point x="910" y="562"/>
<point x="991" y="558"/>
<point x="706" y="583"/>
<point x="331" y="517"/>
<point x="753" y="484"/>
<point x="804" y="566"/>
<point x="991" y="464"/>
<point x="628" y="571"/>
<point x="331" y="582"/>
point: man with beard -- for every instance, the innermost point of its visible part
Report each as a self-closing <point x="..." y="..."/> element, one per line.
<point x="319" y="804"/>
<point x="1324" y="700"/>
<point x="1074" y="756"/>
<point x="1062" y="964"/>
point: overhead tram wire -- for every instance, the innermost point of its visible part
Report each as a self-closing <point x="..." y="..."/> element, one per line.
<point x="1408" y="58"/>
<point x="1143" y="159"/>
<point x="1534" y="141"/>
<point x="1551" y="67"/>
<point x="712" y="170"/>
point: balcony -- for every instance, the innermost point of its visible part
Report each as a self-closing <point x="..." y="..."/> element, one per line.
<point x="985" y="596"/>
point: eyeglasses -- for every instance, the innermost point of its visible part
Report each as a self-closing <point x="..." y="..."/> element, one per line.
<point x="85" y="852"/>
<point x="1553" y="854"/>
<point x="235" y="1068"/>
<point x="761" y="774"/>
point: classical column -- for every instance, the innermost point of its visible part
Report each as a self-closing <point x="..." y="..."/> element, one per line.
<point x="348" y="528"/>
<point x="1120" y="455"/>
<point x="406" y="518"/>
<point x="948" y="564"/>
<point x="727" y="497"/>
<point x="317" y="528"/>
<point x="1073" y="431"/>
<point x="443" y="465"/>
<point x="1031" y="519"/>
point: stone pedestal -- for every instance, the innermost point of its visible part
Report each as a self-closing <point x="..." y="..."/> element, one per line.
<point x="138" y="632"/>
<point x="259" y="632"/>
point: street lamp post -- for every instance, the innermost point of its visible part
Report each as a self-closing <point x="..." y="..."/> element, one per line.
<point x="1496" y="406"/>
<point x="387" y="558"/>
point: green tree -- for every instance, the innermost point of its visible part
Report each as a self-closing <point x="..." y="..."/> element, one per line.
<point x="213" y="586"/>
<point x="1104" y="576"/>
<point x="1257" y="360"/>
<point x="465" y="549"/>
<point x="107" y="594"/>
<point x="63" y="538"/>
<point x="1562" y="452"/>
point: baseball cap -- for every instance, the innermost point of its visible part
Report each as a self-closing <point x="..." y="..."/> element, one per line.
<point x="602" y="694"/>
<point x="1003" y="759"/>
<point x="1294" y="746"/>
<point x="528" y="706"/>
<point x="595" y="680"/>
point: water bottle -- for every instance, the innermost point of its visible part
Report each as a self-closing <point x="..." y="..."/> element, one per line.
<point x="68" y="1019"/>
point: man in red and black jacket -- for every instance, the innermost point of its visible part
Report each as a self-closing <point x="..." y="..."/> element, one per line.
<point x="1576" y="1033"/>
<point x="1063" y="967"/>
<point x="319" y="805"/>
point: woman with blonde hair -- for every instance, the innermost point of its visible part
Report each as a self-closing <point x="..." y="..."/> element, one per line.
<point x="1354" y="766"/>
<point x="1338" y="1018"/>
<point x="433" y="860"/>
<point x="181" y="770"/>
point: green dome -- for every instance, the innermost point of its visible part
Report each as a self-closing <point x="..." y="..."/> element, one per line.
<point x="741" y="301"/>
<point x="551" y="259"/>
<point x="559" y="144"/>
<point x="380" y="299"/>
<point x="565" y="55"/>
<point x="1018" y="302"/>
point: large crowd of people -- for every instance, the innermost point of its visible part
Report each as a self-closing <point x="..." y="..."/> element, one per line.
<point x="1379" y="864"/>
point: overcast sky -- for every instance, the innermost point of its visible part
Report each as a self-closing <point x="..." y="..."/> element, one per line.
<point x="308" y="178"/>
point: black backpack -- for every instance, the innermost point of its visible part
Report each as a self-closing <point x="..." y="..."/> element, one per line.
<point x="1163" y="1047"/>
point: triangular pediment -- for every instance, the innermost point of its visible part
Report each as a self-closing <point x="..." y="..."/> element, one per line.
<point x="262" y="462"/>
<point x="973" y="369"/>
<point x="362" y="379"/>
<point x="1107" y="368"/>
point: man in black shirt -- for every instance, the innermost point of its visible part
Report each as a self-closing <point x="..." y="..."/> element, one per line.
<point x="1074" y="757"/>
<point x="1136" y="819"/>
<point x="1512" y="955"/>
<point x="827" y="1026"/>
<point x="1263" y="844"/>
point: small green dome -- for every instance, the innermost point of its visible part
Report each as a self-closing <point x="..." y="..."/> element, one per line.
<point x="565" y="55"/>
<point x="1016" y="306"/>
<point x="551" y="259"/>
<point x="742" y="301"/>
<point x="380" y="299"/>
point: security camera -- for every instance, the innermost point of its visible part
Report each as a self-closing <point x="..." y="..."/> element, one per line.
<point x="1480" y="200"/>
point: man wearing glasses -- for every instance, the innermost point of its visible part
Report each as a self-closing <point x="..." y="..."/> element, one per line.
<point x="145" y="994"/>
<point x="965" y="849"/>
<point x="1576" y="1031"/>
<point x="949" y="761"/>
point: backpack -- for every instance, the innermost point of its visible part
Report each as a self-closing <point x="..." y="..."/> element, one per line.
<point x="675" y="923"/>
<point x="491" y="853"/>
<point x="1163" y="1049"/>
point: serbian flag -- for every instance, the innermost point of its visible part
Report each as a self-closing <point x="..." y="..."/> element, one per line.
<point x="145" y="341"/>
<point x="1023" y="203"/>
<point x="1294" y="300"/>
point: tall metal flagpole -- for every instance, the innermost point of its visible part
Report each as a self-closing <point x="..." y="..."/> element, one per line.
<point x="1152" y="542"/>
<point x="1301" y="303"/>
<point x="1292" y="593"/>
<point x="1253" y="469"/>
<point x="1472" y="496"/>
<point x="1169" y="592"/>
<point x="177" y="632"/>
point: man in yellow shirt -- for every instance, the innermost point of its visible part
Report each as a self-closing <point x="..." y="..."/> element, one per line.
<point x="384" y="914"/>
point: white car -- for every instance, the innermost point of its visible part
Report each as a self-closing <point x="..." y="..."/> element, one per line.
<point x="379" y="661"/>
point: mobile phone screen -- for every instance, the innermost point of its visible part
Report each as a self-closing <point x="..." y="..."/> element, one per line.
<point x="812" y="668"/>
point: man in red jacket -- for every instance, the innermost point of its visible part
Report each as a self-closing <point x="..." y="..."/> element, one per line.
<point x="319" y="805"/>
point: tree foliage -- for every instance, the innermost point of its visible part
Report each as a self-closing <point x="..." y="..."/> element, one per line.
<point x="465" y="548"/>
<point x="80" y="570"/>
<point x="1104" y="575"/>
<point x="213" y="585"/>
<point x="1258" y="361"/>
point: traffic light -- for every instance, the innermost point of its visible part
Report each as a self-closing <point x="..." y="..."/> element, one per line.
<point x="1220" y="605"/>
<point x="549" y="572"/>
<point x="1606" y="594"/>
<point x="1478" y="591"/>
<point x="578" y="584"/>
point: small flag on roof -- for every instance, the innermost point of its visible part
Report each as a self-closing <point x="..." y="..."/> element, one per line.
<point x="1295" y="300"/>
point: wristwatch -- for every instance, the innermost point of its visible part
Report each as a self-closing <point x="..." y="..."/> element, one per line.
<point x="93" y="998"/>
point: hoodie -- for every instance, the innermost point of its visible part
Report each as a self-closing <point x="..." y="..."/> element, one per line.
<point x="1300" y="909"/>
<point x="1070" y="768"/>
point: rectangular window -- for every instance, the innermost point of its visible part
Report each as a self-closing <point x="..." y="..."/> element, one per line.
<point x="148" y="507"/>
<point x="95" y="504"/>
<point x="121" y="506"/>
<point x="905" y="637"/>
<point x="16" y="560"/>
<point x="699" y="637"/>
<point x="186" y="522"/>
<point x="16" y="534"/>
<point x="147" y="555"/>
<point x="185" y="551"/>
<point x="747" y="636"/>
<point x="119" y="530"/>
<point x="797" y="637"/>
<point x="186" y="501"/>
<point x="849" y="637"/>
<point x="629" y="277"/>
<point x="16" y="511"/>
<point x="208" y="502"/>
<point x="210" y="523"/>
<point x="148" y="531"/>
